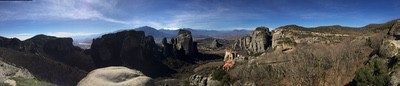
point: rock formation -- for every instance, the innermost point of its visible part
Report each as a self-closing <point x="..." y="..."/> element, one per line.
<point x="200" y="80"/>
<point x="8" y="71"/>
<point x="116" y="76"/>
<point x="59" y="49"/>
<point x="215" y="44"/>
<point x="13" y="43"/>
<point x="389" y="48"/>
<point x="256" y="42"/>
<point x="395" y="30"/>
<point x="184" y="42"/>
<point x="131" y="49"/>
<point x="180" y="47"/>
<point x="286" y="37"/>
<point x="390" y="45"/>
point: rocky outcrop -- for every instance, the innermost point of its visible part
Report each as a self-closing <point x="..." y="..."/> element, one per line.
<point x="8" y="71"/>
<point x="184" y="42"/>
<point x="116" y="76"/>
<point x="395" y="78"/>
<point x="49" y="45"/>
<point x="131" y="49"/>
<point x="389" y="48"/>
<point x="256" y="42"/>
<point x="215" y="44"/>
<point x="180" y="47"/>
<point x="286" y="37"/>
<point x="59" y="49"/>
<point x="13" y="43"/>
<point x="390" y="45"/>
<point x="395" y="30"/>
<point x="200" y="80"/>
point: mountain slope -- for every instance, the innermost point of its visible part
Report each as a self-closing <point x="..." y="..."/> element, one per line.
<point x="43" y="68"/>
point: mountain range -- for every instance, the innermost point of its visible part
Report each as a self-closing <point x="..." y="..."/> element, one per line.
<point x="85" y="41"/>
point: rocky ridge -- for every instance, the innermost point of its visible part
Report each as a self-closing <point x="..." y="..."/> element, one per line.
<point x="131" y="49"/>
<point x="256" y="42"/>
<point x="180" y="47"/>
<point x="285" y="38"/>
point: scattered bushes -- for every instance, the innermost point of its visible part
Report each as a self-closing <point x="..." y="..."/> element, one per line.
<point x="374" y="73"/>
<point x="30" y="82"/>
<point x="221" y="75"/>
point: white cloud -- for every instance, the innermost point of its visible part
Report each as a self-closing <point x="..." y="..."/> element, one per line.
<point x="21" y="36"/>
<point x="70" y="34"/>
<point x="24" y="36"/>
<point x="61" y="10"/>
<point x="171" y="28"/>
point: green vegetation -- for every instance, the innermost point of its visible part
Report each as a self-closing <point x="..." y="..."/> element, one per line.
<point x="374" y="73"/>
<point x="286" y="40"/>
<point x="30" y="82"/>
<point x="221" y="75"/>
<point x="3" y="84"/>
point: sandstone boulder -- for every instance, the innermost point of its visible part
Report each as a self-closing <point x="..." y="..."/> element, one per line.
<point x="116" y="76"/>
<point x="389" y="48"/>
<point x="395" y="78"/>
<point x="8" y="71"/>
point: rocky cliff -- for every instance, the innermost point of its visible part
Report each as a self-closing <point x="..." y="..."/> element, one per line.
<point x="58" y="49"/>
<point x="180" y="47"/>
<point x="286" y="37"/>
<point x="256" y="42"/>
<point x="131" y="49"/>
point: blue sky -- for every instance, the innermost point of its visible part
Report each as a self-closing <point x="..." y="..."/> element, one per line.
<point x="65" y="18"/>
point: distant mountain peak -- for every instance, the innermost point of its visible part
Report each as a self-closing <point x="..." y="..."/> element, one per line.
<point x="145" y="27"/>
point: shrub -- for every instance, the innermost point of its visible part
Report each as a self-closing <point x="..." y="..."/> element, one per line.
<point x="221" y="75"/>
<point x="374" y="73"/>
<point x="30" y="82"/>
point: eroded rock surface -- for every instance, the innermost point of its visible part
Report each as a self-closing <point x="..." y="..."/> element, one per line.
<point x="256" y="42"/>
<point x="180" y="47"/>
<point x="131" y="49"/>
<point x="116" y="76"/>
<point x="286" y="37"/>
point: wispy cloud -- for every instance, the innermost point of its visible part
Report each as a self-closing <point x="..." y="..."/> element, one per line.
<point x="24" y="36"/>
<point x="61" y="10"/>
<point x="70" y="34"/>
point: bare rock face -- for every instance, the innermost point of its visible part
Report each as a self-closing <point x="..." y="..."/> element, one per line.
<point x="215" y="44"/>
<point x="8" y="71"/>
<point x="185" y="42"/>
<point x="395" y="79"/>
<point x="131" y="49"/>
<point x="200" y="80"/>
<point x="10" y="43"/>
<point x="395" y="30"/>
<point x="281" y="40"/>
<point x="116" y="76"/>
<point x="286" y="37"/>
<point x="180" y="47"/>
<point x="389" y="48"/>
<point x="256" y="42"/>
<point x="50" y="45"/>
